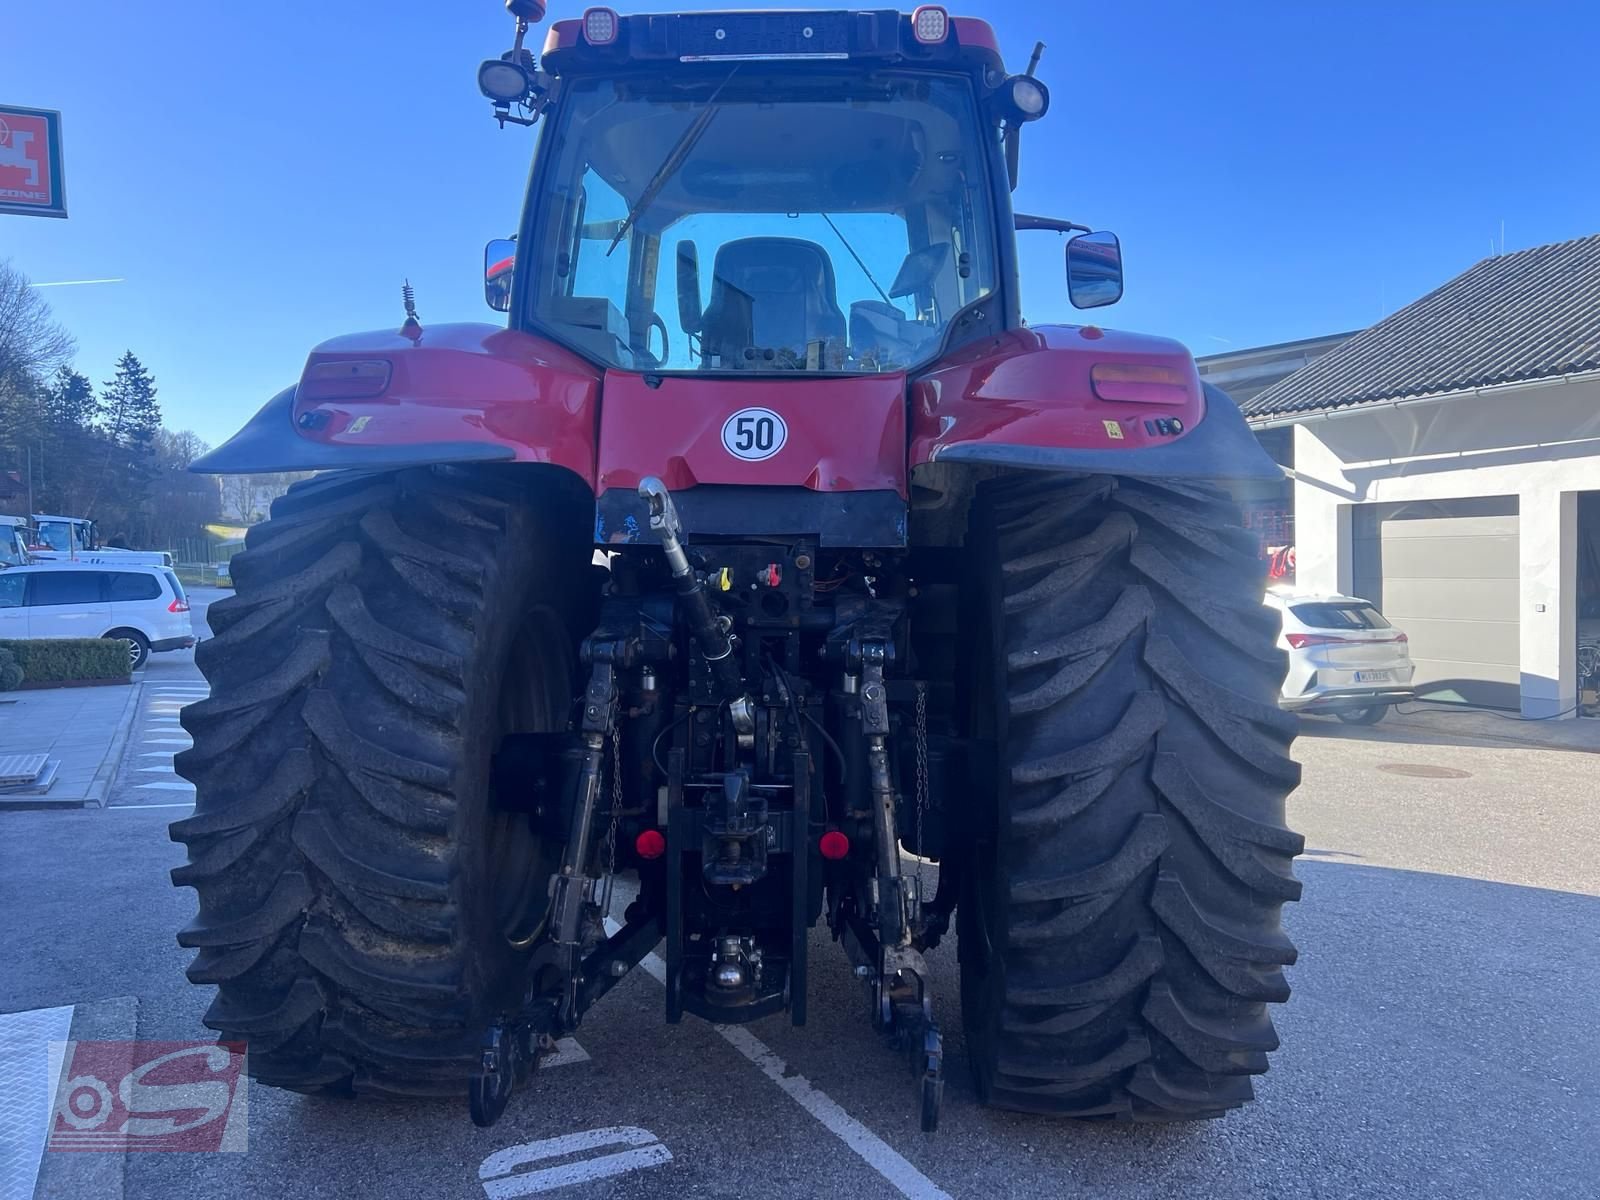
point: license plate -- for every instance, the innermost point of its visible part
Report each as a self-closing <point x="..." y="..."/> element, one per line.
<point x="1373" y="676"/>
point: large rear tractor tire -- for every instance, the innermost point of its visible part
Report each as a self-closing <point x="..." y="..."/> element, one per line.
<point x="364" y="907"/>
<point x="1119" y="936"/>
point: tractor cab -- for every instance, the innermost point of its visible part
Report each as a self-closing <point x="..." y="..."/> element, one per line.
<point x="826" y="193"/>
<point x="67" y="535"/>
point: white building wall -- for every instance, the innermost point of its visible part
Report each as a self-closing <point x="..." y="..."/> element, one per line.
<point x="1540" y="443"/>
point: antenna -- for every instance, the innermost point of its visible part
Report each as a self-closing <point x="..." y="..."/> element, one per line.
<point x="412" y="328"/>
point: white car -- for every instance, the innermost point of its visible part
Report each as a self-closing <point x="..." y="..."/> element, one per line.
<point x="144" y="604"/>
<point x="1344" y="657"/>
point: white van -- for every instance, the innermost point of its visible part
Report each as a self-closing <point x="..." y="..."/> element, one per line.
<point x="144" y="604"/>
<point x="14" y="542"/>
<point x="77" y="539"/>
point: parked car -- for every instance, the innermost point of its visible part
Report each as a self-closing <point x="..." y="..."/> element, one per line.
<point x="144" y="604"/>
<point x="1344" y="657"/>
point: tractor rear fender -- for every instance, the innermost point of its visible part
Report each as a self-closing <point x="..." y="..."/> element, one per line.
<point x="465" y="393"/>
<point x="1079" y="398"/>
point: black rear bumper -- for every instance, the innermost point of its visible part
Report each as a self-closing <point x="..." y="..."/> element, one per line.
<point x="1347" y="700"/>
<point x="876" y="519"/>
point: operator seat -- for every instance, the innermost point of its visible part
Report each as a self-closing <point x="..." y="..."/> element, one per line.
<point x="770" y="293"/>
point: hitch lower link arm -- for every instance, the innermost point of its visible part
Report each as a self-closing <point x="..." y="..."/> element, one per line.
<point x="898" y="902"/>
<point x="903" y="1002"/>
<point x="512" y="1045"/>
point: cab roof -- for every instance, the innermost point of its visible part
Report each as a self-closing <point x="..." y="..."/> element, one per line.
<point x="840" y="35"/>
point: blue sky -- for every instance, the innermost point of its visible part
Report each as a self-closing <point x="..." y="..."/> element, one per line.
<point x="265" y="175"/>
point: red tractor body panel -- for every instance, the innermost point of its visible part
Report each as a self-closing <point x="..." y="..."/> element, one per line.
<point x="1033" y="387"/>
<point x="842" y="435"/>
<point x="456" y="384"/>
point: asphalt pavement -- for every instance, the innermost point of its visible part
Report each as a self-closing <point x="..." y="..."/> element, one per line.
<point x="1439" y="1042"/>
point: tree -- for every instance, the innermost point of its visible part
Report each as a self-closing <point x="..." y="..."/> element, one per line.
<point x="248" y="498"/>
<point x="128" y="420"/>
<point x="64" y="455"/>
<point x="183" y="503"/>
<point x="175" y="451"/>
<point x="32" y="344"/>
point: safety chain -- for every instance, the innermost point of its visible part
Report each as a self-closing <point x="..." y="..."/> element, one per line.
<point x="922" y="776"/>
<point x="616" y="809"/>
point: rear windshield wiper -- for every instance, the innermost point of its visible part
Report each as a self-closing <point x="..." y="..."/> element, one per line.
<point x="669" y="165"/>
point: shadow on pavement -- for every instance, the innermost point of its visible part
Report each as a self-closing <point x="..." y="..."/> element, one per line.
<point x="1460" y="727"/>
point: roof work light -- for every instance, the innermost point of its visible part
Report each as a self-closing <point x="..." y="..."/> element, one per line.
<point x="931" y="24"/>
<point x="504" y="81"/>
<point x="600" y="26"/>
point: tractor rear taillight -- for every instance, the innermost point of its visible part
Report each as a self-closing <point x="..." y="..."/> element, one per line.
<point x="833" y="845"/>
<point x="650" y="844"/>
<point x="600" y="26"/>
<point x="1140" y="383"/>
<point x="931" y="24"/>
<point x="344" y="380"/>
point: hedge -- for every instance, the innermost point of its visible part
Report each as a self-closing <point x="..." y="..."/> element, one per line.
<point x="68" y="660"/>
<point x="10" y="673"/>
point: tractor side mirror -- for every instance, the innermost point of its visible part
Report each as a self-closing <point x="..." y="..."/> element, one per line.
<point x="1094" y="270"/>
<point x="499" y="256"/>
<point x="689" y="313"/>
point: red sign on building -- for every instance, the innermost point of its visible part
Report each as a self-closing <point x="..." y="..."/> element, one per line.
<point x="30" y="162"/>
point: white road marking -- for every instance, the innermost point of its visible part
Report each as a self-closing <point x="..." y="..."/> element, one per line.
<point x="167" y="787"/>
<point x="874" y="1151"/>
<point x="168" y="742"/>
<point x="877" y="1153"/>
<point x="178" y="804"/>
<point x="28" y="1085"/>
<point x="166" y="754"/>
<point x="500" y="1184"/>
<point x="166" y="770"/>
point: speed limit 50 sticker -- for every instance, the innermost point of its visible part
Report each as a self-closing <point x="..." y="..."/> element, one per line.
<point x="754" y="434"/>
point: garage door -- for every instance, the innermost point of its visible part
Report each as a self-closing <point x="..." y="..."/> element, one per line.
<point x="1447" y="572"/>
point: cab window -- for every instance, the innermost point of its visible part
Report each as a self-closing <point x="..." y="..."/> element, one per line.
<point x="126" y="586"/>
<point x="65" y="587"/>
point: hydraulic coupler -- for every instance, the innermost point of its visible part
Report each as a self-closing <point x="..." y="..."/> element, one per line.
<point x="712" y="633"/>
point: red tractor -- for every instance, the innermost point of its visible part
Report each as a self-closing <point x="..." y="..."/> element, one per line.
<point x="763" y="570"/>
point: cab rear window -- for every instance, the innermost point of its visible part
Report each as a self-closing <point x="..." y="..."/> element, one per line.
<point x="1340" y="616"/>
